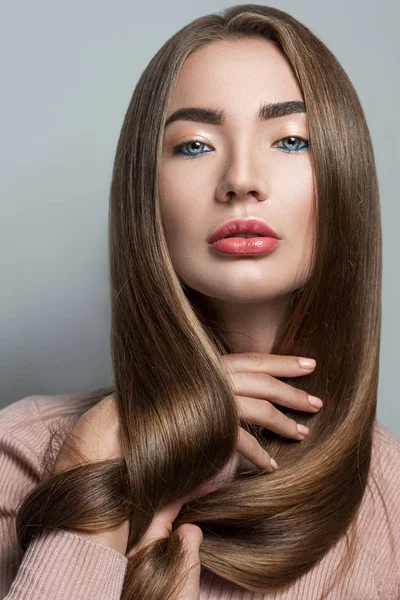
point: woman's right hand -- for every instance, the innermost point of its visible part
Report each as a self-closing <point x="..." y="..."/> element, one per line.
<point x="191" y="534"/>
<point x="253" y="375"/>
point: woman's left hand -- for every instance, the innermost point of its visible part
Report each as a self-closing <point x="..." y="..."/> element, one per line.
<point x="257" y="389"/>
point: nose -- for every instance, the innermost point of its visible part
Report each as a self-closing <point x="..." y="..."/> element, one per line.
<point x="243" y="180"/>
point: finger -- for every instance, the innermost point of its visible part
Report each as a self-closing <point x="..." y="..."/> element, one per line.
<point x="266" y="387"/>
<point x="192" y="538"/>
<point x="248" y="446"/>
<point x="262" y="412"/>
<point x="161" y="525"/>
<point x="275" y="364"/>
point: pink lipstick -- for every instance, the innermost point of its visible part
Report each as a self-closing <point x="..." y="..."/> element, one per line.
<point x="257" y="238"/>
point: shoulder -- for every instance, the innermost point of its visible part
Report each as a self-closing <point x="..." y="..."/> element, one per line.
<point x="384" y="480"/>
<point x="21" y="414"/>
<point x="385" y="466"/>
<point x="380" y="512"/>
<point x="385" y="459"/>
<point x="386" y="439"/>
<point x="27" y="428"/>
<point x="27" y="425"/>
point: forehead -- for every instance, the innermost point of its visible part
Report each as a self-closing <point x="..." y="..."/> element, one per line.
<point x="236" y="75"/>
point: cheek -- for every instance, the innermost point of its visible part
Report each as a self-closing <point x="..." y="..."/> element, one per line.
<point x="305" y="191"/>
<point x="296" y="191"/>
<point x="182" y="206"/>
<point x="171" y="204"/>
<point x="298" y="209"/>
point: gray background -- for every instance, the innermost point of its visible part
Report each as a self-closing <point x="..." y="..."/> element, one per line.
<point x="68" y="70"/>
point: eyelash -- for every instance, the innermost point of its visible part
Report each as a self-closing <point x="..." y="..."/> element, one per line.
<point x="176" y="149"/>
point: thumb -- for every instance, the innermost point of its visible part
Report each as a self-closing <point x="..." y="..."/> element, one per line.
<point x="192" y="538"/>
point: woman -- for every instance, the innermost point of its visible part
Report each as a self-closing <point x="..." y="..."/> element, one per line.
<point x="240" y="115"/>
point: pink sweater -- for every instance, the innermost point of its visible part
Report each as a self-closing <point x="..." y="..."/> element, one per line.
<point x="64" y="566"/>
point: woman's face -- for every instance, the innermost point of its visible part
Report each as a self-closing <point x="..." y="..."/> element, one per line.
<point x="244" y="167"/>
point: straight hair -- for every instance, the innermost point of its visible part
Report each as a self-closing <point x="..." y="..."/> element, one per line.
<point x="176" y="405"/>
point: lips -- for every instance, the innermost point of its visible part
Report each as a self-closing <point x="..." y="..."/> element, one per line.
<point x="251" y="225"/>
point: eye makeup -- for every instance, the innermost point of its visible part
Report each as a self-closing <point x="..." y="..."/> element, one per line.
<point x="178" y="150"/>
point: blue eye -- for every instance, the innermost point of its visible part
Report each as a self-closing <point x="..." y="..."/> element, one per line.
<point x="295" y="137"/>
<point x="178" y="149"/>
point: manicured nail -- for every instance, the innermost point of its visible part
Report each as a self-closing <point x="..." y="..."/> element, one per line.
<point x="302" y="429"/>
<point x="314" y="401"/>
<point x="307" y="363"/>
<point x="274" y="464"/>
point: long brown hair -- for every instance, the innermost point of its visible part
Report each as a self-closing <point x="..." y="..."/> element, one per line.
<point x="177" y="407"/>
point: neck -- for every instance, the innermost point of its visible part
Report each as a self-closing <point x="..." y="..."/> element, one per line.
<point x="251" y="327"/>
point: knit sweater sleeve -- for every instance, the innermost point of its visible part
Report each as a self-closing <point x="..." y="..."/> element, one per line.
<point x="58" y="564"/>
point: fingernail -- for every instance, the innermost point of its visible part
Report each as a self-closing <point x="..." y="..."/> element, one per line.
<point x="274" y="464"/>
<point x="302" y="429"/>
<point x="307" y="363"/>
<point x="314" y="401"/>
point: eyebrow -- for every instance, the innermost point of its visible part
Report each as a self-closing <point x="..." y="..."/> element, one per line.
<point x="211" y="116"/>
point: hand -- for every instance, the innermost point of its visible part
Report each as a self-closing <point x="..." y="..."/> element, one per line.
<point x="192" y="535"/>
<point x="253" y="377"/>
<point x="97" y="437"/>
